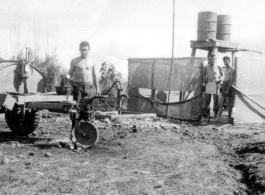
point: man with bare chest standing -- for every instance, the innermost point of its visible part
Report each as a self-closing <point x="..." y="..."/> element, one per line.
<point x="212" y="78"/>
<point x="226" y="89"/>
<point x="84" y="73"/>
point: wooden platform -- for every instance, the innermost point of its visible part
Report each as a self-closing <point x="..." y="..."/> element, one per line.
<point x="125" y="114"/>
<point x="21" y="99"/>
<point x="221" y="45"/>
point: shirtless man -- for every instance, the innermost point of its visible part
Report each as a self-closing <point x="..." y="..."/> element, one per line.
<point x="85" y="73"/>
<point x="226" y="89"/>
<point x="212" y="75"/>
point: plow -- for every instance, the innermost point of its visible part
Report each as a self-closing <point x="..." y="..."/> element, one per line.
<point x="21" y="101"/>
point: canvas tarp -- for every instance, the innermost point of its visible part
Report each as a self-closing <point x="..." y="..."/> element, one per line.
<point x="250" y="80"/>
<point x="163" y="75"/>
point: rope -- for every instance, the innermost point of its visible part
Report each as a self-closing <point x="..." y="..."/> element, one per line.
<point x="248" y="97"/>
<point x="138" y="95"/>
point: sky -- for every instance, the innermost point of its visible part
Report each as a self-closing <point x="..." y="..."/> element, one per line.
<point x="121" y="29"/>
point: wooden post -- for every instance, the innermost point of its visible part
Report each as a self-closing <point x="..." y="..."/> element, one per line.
<point x="153" y="90"/>
<point x="233" y="56"/>
<point x="193" y="52"/>
<point x="172" y="55"/>
<point x="182" y="93"/>
<point x="215" y="51"/>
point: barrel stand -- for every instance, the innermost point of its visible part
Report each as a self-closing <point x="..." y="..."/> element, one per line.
<point x="213" y="46"/>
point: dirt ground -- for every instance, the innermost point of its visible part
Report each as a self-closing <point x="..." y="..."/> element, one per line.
<point x="162" y="157"/>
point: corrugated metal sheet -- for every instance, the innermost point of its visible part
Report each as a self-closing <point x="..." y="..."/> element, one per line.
<point x="250" y="80"/>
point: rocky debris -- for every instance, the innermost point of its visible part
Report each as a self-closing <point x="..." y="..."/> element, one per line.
<point x="46" y="115"/>
<point x="121" y="134"/>
<point x="251" y="148"/>
<point x="30" y="153"/>
<point x="116" y="125"/>
<point x="20" y="156"/>
<point x="158" y="186"/>
<point x="47" y="154"/>
<point x="139" y="171"/>
<point x="61" y="143"/>
<point x="121" y="143"/>
<point x="14" y="160"/>
<point x="148" y="123"/>
<point x="121" y="127"/>
<point x="58" y="145"/>
<point x="47" y="135"/>
<point x="44" y="131"/>
<point x="40" y="173"/>
<point x="4" y="160"/>
<point x="71" y="146"/>
<point x="78" y="149"/>
<point x="13" y="144"/>
<point x="27" y="163"/>
<point x="134" y="129"/>
<point x="19" y="145"/>
<point x="227" y="126"/>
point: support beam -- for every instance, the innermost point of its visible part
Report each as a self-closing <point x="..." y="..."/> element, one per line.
<point x="193" y="52"/>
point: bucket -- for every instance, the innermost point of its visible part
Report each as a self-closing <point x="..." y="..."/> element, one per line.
<point x="223" y="27"/>
<point x="63" y="90"/>
<point x="207" y="25"/>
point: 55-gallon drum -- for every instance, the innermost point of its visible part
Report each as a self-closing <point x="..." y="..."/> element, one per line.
<point x="207" y="25"/>
<point x="223" y="27"/>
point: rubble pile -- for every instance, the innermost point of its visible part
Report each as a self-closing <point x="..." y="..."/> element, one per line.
<point x="142" y="123"/>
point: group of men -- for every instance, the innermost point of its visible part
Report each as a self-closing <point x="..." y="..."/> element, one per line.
<point x="218" y="83"/>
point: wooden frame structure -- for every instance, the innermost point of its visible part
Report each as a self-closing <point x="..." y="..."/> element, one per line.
<point x="213" y="46"/>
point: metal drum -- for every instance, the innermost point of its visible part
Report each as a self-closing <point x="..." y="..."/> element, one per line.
<point x="223" y="27"/>
<point x="207" y="25"/>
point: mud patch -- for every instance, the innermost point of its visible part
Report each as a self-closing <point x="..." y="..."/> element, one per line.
<point x="252" y="166"/>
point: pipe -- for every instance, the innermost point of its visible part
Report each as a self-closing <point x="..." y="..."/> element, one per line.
<point x="7" y="66"/>
<point x="247" y="97"/>
<point x="115" y="83"/>
<point x="237" y="50"/>
<point x="4" y="61"/>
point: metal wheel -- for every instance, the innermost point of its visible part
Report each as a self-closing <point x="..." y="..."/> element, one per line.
<point x="22" y="126"/>
<point x="85" y="134"/>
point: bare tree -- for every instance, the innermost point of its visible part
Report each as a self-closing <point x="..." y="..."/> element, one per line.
<point x="50" y="68"/>
<point x="109" y="74"/>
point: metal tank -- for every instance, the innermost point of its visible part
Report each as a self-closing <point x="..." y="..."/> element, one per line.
<point x="223" y="27"/>
<point x="207" y="25"/>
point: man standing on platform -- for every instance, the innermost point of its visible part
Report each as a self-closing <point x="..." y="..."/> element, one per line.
<point x="226" y="91"/>
<point x="84" y="71"/>
<point x="212" y="76"/>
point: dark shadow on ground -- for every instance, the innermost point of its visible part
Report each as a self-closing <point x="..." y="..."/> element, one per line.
<point x="6" y="136"/>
